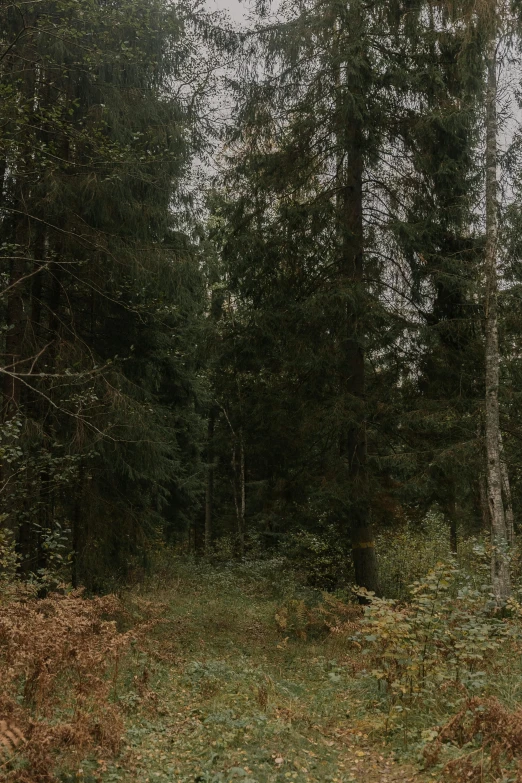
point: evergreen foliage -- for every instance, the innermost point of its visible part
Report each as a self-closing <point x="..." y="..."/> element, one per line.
<point x="290" y="354"/>
<point x="102" y="297"/>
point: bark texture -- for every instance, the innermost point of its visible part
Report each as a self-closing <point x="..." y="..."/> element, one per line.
<point x="483" y="499"/>
<point x="353" y="440"/>
<point x="499" y="558"/>
<point x="209" y="492"/>
<point x="15" y="321"/>
<point x="508" y="498"/>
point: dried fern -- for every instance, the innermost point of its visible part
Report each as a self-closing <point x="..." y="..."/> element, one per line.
<point x="10" y="738"/>
<point x="46" y="644"/>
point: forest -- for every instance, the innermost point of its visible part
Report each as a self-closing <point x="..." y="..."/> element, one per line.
<point x="260" y="391"/>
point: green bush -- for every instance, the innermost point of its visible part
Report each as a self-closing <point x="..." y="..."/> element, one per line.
<point x="430" y="655"/>
<point x="407" y="554"/>
<point x="9" y="563"/>
<point x="319" y="559"/>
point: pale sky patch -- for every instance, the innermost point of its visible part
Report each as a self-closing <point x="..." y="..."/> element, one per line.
<point x="236" y="10"/>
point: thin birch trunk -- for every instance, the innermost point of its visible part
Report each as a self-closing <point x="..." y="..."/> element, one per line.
<point x="484" y="506"/>
<point x="499" y="556"/>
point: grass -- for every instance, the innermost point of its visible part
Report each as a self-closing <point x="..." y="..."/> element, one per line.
<point x="238" y="673"/>
<point x="218" y="693"/>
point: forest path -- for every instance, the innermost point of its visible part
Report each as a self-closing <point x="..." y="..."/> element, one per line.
<point x="223" y="697"/>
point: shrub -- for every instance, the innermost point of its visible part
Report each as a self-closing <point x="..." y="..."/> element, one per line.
<point x="407" y="553"/>
<point x="435" y="651"/>
<point x="320" y="559"/>
<point x="59" y="662"/>
<point x="9" y="558"/>
<point x="328" y="615"/>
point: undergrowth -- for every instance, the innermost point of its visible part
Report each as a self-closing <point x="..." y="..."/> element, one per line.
<point x="433" y="679"/>
<point x="59" y="667"/>
<point x="241" y="672"/>
<point x="445" y="673"/>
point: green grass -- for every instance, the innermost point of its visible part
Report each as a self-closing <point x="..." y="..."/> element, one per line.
<point x="217" y="693"/>
<point x="226" y="686"/>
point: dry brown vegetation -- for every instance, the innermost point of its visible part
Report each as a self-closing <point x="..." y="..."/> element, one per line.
<point x="495" y="735"/>
<point x="59" y="660"/>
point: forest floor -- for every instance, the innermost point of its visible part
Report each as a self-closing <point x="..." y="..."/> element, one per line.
<point x="219" y="693"/>
<point x="239" y="673"/>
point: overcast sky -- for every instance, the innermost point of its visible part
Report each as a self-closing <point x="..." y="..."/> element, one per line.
<point x="234" y="7"/>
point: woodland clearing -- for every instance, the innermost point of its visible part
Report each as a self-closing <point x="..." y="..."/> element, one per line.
<point x="216" y="675"/>
<point x="197" y="684"/>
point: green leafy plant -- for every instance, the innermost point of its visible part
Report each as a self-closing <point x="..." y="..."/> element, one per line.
<point x="319" y="558"/>
<point x="429" y="655"/>
<point x="9" y="558"/>
<point x="55" y="545"/>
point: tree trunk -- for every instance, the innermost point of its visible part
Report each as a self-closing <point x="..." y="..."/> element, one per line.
<point x="499" y="556"/>
<point x="353" y="440"/>
<point x="239" y="489"/>
<point x="37" y="287"/>
<point x="15" y="321"/>
<point x="484" y="505"/>
<point x="508" y="499"/>
<point x="78" y="529"/>
<point x="209" y="493"/>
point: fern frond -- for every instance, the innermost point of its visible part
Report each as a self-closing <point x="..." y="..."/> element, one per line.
<point x="10" y="738"/>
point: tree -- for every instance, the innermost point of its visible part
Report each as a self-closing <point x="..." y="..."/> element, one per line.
<point x="103" y="295"/>
<point x="500" y="561"/>
<point x="312" y="209"/>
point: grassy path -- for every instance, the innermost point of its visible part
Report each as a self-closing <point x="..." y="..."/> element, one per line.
<point x="219" y="695"/>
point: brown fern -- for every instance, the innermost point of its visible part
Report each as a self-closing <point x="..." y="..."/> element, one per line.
<point x="46" y="645"/>
<point x="10" y="738"/>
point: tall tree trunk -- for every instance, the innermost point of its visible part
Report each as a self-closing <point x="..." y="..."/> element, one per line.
<point x="508" y="499"/>
<point x="353" y="443"/>
<point x="239" y="488"/>
<point x="37" y="287"/>
<point x="499" y="557"/>
<point x="78" y="530"/>
<point x="209" y="493"/>
<point x="484" y="505"/>
<point x="15" y="320"/>
<point x="353" y="440"/>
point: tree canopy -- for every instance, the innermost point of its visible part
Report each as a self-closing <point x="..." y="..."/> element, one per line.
<point x="290" y="321"/>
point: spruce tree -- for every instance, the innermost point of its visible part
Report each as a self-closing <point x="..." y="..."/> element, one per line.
<point x="309" y="206"/>
<point x="103" y="298"/>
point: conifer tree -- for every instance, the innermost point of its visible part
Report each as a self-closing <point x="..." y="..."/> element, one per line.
<point x="103" y="297"/>
<point x="314" y="144"/>
<point x="434" y="232"/>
